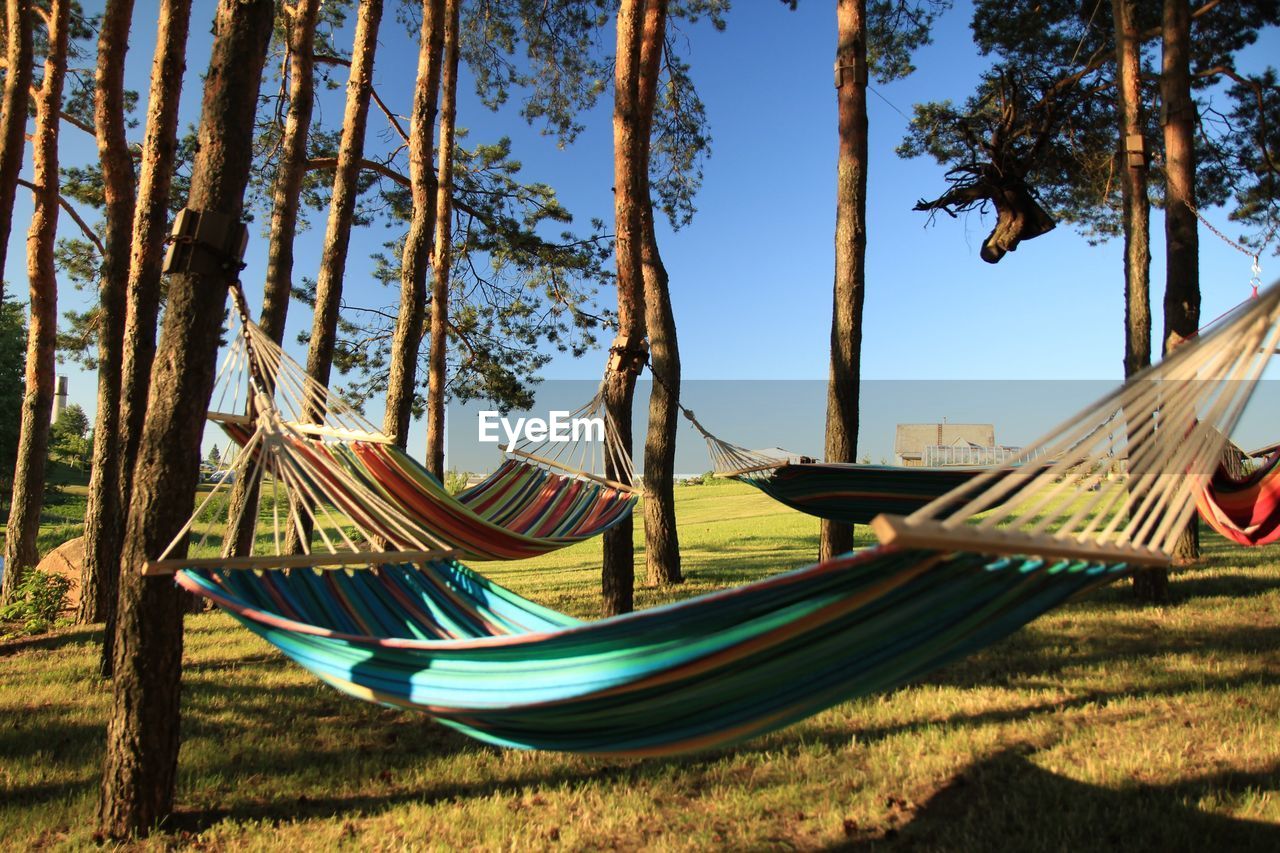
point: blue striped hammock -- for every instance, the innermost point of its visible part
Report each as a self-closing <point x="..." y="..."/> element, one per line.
<point x="701" y="673"/>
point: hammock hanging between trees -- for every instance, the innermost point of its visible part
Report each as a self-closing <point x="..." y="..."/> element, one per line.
<point x="849" y="493"/>
<point x="838" y="491"/>
<point x="417" y="629"/>
<point x="542" y="498"/>
<point x="1242" y="498"/>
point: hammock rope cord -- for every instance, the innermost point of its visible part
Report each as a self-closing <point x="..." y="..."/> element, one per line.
<point x="421" y="630"/>
<point x="336" y="469"/>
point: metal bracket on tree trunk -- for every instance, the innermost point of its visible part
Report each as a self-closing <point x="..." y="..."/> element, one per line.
<point x="206" y="242"/>
<point x="628" y="355"/>
<point x="1167" y="114"/>
<point x="859" y="73"/>
<point x="1135" y="149"/>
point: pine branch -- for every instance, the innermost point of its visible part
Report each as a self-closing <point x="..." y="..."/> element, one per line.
<point x="71" y="211"/>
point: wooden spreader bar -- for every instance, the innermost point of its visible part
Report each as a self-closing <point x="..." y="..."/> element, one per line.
<point x="355" y="560"/>
<point x="932" y="536"/>
<point x="767" y="466"/>
<point x="317" y="430"/>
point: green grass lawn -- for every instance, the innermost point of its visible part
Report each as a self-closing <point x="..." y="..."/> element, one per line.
<point x="1101" y="725"/>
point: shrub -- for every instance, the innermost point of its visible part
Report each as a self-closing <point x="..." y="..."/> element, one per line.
<point x="37" y="602"/>
<point x="456" y="481"/>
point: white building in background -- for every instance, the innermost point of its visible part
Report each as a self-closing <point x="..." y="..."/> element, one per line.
<point x="940" y="445"/>
<point x="59" y="398"/>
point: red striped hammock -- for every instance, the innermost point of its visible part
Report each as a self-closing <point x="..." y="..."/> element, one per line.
<point x="1244" y="508"/>
<point x="520" y="510"/>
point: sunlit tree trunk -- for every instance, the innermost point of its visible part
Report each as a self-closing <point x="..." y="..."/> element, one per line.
<point x="342" y="205"/>
<point x="285" y="195"/>
<point x="662" y="543"/>
<point x="443" y="247"/>
<point x="618" y="572"/>
<point x="337" y="237"/>
<point x="851" y="250"/>
<point x="1133" y="187"/>
<point x="37" y="404"/>
<point x="143" y="727"/>
<point x="104" y="517"/>
<point x="150" y="225"/>
<point x="417" y="244"/>
<point x="1182" y="249"/>
<point x="13" y="115"/>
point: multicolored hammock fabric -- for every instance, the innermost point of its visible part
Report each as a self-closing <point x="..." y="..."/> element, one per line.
<point x="520" y="510"/>
<point x="1243" y="507"/>
<point x="701" y="673"/>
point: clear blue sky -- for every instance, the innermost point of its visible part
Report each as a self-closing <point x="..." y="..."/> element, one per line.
<point x="751" y="277"/>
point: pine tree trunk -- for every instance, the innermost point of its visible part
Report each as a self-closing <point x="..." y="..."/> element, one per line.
<point x="417" y="244"/>
<point x="442" y="264"/>
<point x="143" y="728"/>
<point x="851" y="250"/>
<point x="37" y="404"/>
<point x="1182" y="272"/>
<point x="150" y="225"/>
<point x="337" y="235"/>
<point x="13" y="115"/>
<point x="1133" y="187"/>
<point x="618" y="571"/>
<point x="104" y="517"/>
<point x="285" y="194"/>
<point x="662" y="542"/>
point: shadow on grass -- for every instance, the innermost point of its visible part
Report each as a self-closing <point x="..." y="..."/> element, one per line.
<point x="1008" y="800"/>
<point x="292" y="722"/>
<point x="392" y="744"/>
<point x="1191" y="586"/>
<point x="51" y="642"/>
<point x="1033" y="655"/>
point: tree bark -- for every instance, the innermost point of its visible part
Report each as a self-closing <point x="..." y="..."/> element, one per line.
<point x="662" y="542"/>
<point x="851" y="249"/>
<point x="618" y="571"/>
<point x="13" y="115"/>
<point x="417" y="243"/>
<point x="37" y="404"/>
<point x="1182" y="273"/>
<point x="285" y="194"/>
<point x="442" y="264"/>
<point x="150" y="225"/>
<point x="104" y="518"/>
<point x="337" y="235"/>
<point x="1133" y="188"/>
<point x="143" y="728"/>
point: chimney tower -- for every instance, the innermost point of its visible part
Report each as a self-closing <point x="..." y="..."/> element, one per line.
<point x="60" y="398"/>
